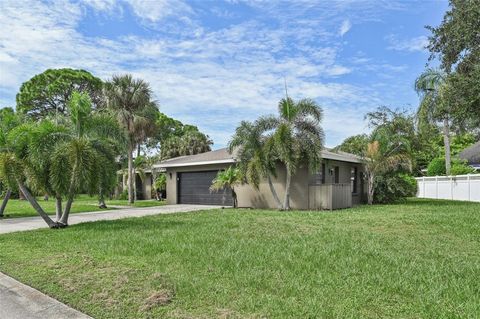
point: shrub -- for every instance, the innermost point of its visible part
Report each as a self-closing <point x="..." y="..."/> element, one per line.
<point x="123" y="195"/>
<point x="436" y="167"/>
<point x="459" y="167"/>
<point x="391" y="188"/>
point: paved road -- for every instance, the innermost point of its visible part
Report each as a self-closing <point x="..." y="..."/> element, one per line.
<point x="29" y="223"/>
<point x="19" y="301"/>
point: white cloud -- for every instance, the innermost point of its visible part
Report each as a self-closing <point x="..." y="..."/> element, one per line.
<point x="345" y="27"/>
<point x="210" y="78"/>
<point x="416" y="44"/>
<point x="156" y="10"/>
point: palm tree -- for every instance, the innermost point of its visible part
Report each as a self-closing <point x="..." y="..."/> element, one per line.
<point x="16" y="166"/>
<point x="86" y="157"/>
<point x="297" y="137"/>
<point x="228" y="178"/>
<point x="429" y="86"/>
<point x="130" y="100"/>
<point x="8" y="121"/>
<point x="384" y="155"/>
<point x="254" y="156"/>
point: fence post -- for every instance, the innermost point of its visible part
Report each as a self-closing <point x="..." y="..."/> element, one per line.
<point x="451" y="187"/>
<point x="468" y="181"/>
<point x="436" y="187"/>
<point x="423" y="181"/>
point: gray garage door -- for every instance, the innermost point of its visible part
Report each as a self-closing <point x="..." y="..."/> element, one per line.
<point x="194" y="188"/>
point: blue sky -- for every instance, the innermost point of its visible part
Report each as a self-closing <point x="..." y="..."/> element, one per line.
<point x="215" y="63"/>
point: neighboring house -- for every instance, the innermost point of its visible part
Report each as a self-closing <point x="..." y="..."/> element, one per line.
<point x="143" y="184"/>
<point x="339" y="182"/>
<point x="472" y="155"/>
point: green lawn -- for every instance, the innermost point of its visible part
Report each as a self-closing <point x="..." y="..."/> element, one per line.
<point x="420" y="259"/>
<point x="83" y="203"/>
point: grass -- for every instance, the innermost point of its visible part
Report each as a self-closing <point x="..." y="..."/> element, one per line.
<point x="83" y="203"/>
<point x="420" y="259"/>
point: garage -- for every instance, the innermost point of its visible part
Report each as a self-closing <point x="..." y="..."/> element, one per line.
<point x="194" y="188"/>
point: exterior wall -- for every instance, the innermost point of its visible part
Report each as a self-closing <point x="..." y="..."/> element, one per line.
<point x="248" y="196"/>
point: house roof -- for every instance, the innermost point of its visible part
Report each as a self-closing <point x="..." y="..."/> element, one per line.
<point x="471" y="154"/>
<point x="222" y="156"/>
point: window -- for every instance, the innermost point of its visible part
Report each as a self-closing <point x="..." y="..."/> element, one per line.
<point x="354" y="179"/>
<point x="319" y="177"/>
<point x="337" y="174"/>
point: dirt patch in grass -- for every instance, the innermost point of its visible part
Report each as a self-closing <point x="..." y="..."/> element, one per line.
<point x="159" y="298"/>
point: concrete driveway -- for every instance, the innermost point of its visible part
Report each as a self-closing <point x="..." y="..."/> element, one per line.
<point x="29" y="223"/>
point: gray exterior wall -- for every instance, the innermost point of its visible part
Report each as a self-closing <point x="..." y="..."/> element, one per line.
<point x="248" y="196"/>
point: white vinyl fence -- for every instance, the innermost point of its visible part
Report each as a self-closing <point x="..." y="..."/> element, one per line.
<point x="460" y="187"/>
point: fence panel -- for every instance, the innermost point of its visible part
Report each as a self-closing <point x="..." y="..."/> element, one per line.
<point x="460" y="187"/>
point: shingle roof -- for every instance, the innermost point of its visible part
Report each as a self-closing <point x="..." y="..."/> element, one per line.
<point x="471" y="154"/>
<point x="222" y="155"/>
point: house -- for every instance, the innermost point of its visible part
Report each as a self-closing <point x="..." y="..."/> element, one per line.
<point x="472" y="155"/>
<point x="339" y="182"/>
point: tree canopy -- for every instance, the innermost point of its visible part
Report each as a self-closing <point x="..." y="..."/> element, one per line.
<point x="48" y="93"/>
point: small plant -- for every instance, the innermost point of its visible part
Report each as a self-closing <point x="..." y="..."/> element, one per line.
<point x="228" y="179"/>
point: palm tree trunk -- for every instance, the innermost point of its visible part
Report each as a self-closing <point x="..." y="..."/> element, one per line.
<point x="5" y="201"/>
<point x="21" y="196"/>
<point x="371" y="189"/>
<point x="101" y="200"/>
<point x="234" y="197"/>
<point x="446" y="140"/>
<point x="130" y="181"/>
<point x="36" y="206"/>
<point x="286" y="202"/>
<point x="71" y="194"/>
<point x="274" y="192"/>
<point x="58" y="208"/>
<point x="66" y="213"/>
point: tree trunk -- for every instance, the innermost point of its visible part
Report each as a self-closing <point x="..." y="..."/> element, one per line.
<point x="234" y="197"/>
<point x="371" y="189"/>
<point x="21" y="196"/>
<point x="36" y="206"/>
<point x="274" y="192"/>
<point x="58" y="208"/>
<point x="130" y="180"/>
<point x="286" y="202"/>
<point x="71" y="194"/>
<point x="66" y="213"/>
<point x="446" y="140"/>
<point x="5" y="201"/>
<point x="101" y="200"/>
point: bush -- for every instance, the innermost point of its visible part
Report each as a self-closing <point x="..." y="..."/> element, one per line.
<point x="459" y="167"/>
<point x="436" y="167"/>
<point x="123" y="195"/>
<point x="391" y="188"/>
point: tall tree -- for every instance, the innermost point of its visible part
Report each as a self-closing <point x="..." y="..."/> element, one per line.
<point x="356" y="144"/>
<point x="48" y="93"/>
<point x="456" y="42"/>
<point x="432" y="107"/>
<point x="297" y="137"/>
<point x="131" y="100"/>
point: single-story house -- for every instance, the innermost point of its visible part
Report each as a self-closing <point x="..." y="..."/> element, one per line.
<point x="339" y="183"/>
<point x="472" y="155"/>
